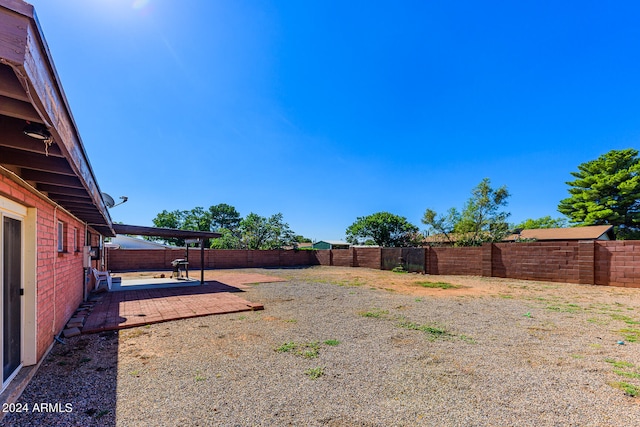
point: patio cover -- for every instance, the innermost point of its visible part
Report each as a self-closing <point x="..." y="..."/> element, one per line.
<point x="139" y="230"/>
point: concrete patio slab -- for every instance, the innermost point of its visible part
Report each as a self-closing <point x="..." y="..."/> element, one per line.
<point x="127" y="284"/>
<point x="142" y="302"/>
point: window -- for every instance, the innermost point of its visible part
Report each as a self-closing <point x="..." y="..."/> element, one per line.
<point x="75" y="240"/>
<point x="60" y="236"/>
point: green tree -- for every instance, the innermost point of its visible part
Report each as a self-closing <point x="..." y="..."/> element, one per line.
<point x="230" y="239"/>
<point x="258" y="232"/>
<point x="224" y="216"/>
<point x="607" y="191"/>
<point x="197" y="219"/>
<point x="481" y="219"/>
<point x="442" y="224"/>
<point x="384" y="228"/>
<point x="173" y="219"/>
<point x="543" y="222"/>
<point x="301" y="239"/>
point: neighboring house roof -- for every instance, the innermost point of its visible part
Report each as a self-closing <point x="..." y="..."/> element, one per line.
<point x="127" y="242"/>
<point x="31" y="93"/>
<point x="592" y="232"/>
<point x="334" y="242"/>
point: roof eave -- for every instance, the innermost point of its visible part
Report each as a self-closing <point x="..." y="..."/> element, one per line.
<point x="27" y="53"/>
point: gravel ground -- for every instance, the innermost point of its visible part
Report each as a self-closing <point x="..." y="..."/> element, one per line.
<point x="524" y="354"/>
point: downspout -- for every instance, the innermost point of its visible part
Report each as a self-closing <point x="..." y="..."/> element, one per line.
<point x="55" y="267"/>
<point x="86" y="269"/>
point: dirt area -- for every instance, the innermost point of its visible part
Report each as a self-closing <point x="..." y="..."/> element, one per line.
<point x="358" y="347"/>
<point x="437" y="286"/>
<point x="422" y="285"/>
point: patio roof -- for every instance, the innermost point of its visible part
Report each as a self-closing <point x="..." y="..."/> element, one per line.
<point x="31" y="93"/>
<point x="139" y="230"/>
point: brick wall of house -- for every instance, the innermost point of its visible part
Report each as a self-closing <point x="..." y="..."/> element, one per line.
<point x="60" y="279"/>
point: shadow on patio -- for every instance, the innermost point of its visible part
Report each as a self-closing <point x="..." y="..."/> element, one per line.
<point x="144" y="301"/>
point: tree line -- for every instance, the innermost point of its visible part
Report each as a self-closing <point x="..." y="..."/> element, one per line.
<point x="251" y="232"/>
<point x="606" y="191"/>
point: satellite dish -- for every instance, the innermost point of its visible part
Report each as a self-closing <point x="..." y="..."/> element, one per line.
<point x="108" y="200"/>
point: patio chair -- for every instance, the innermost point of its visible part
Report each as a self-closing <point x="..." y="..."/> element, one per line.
<point x="102" y="276"/>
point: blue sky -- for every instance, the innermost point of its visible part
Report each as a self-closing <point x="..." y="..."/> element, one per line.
<point x="330" y="110"/>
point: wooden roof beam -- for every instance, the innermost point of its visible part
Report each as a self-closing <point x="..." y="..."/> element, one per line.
<point x="14" y="157"/>
<point x="10" y="85"/>
<point x="55" y="189"/>
<point x="77" y="207"/>
<point x="19" y="109"/>
<point x="65" y="198"/>
<point x="51" y="178"/>
<point x="22" y="142"/>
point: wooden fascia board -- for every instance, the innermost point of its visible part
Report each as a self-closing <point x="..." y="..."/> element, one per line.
<point x="13" y="32"/>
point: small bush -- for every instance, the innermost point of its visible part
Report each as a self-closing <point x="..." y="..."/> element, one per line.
<point x="440" y="285"/>
<point x="314" y="373"/>
<point x="375" y="313"/>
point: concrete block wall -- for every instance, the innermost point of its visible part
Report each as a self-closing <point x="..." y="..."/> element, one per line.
<point x="160" y="259"/>
<point x="615" y="263"/>
<point x="549" y="261"/>
<point x="367" y="257"/>
<point x="455" y="261"/>
<point x="342" y="257"/>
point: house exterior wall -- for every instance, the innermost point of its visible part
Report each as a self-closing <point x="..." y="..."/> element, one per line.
<point x="321" y="245"/>
<point x="59" y="276"/>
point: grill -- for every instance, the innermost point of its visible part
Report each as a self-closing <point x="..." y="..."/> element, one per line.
<point x="179" y="265"/>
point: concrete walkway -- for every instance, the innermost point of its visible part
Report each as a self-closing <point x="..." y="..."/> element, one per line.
<point x="143" y="303"/>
